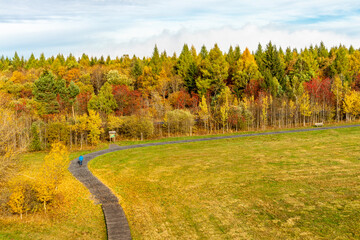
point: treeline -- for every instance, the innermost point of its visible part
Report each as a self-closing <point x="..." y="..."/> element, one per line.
<point x="77" y="100"/>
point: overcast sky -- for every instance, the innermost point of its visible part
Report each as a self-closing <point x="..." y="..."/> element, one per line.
<point x="110" y="27"/>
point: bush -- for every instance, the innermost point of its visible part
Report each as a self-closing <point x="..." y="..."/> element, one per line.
<point x="57" y="131"/>
<point x="22" y="196"/>
<point x="179" y="121"/>
<point x="137" y="127"/>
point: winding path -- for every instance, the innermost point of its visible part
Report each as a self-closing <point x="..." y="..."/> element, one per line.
<point x="116" y="222"/>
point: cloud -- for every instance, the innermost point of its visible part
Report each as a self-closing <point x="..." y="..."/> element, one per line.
<point x="248" y="36"/>
<point x="101" y="27"/>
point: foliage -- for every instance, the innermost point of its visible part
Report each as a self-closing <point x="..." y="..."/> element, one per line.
<point x="65" y="214"/>
<point x="128" y="101"/>
<point x="179" y="121"/>
<point x="45" y="92"/>
<point x="52" y="173"/>
<point x="13" y="139"/>
<point x="17" y="201"/>
<point x="60" y="89"/>
<point x="115" y="78"/>
<point x="139" y="127"/>
<point x="204" y="111"/>
<point x="104" y="102"/>
<point x="352" y="103"/>
<point x="93" y="125"/>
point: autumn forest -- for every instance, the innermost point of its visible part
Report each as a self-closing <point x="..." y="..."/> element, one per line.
<point x="77" y="101"/>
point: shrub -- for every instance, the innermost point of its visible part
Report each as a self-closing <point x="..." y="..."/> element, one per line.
<point x="179" y="120"/>
<point x="137" y="127"/>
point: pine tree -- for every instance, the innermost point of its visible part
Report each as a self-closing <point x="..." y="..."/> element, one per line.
<point x="104" y="101"/>
<point x="203" y="52"/>
<point x="187" y="69"/>
<point x="155" y="62"/>
<point x="45" y="90"/>
<point x="218" y="69"/>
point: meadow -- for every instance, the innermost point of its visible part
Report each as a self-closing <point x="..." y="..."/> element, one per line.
<point x="289" y="186"/>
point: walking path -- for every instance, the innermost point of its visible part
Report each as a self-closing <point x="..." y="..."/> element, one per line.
<point x="116" y="222"/>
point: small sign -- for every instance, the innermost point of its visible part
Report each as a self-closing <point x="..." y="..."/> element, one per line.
<point x="112" y="135"/>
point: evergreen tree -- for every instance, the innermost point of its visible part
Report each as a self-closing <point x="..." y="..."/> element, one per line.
<point x="16" y="61"/>
<point x="136" y="69"/>
<point x="31" y="63"/>
<point x="218" y="69"/>
<point x="42" y="60"/>
<point x="187" y="69"/>
<point x="104" y="102"/>
<point x="45" y="90"/>
<point x="155" y="62"/>
<point x="203" y="53"/>
<point x="237" y="53"/>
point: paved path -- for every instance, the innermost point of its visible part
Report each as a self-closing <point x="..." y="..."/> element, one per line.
<point x="116" y="222"/>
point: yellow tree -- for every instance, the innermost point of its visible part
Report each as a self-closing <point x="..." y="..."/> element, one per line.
<point x="292" y="108"/>
<point x="351" y="104"/>
<point x="162" y="86"/>
<point x="94" y="127"/>
<point x="305" y="106"/>
<point x="114" y="122"/>
<point x="245" y="69"/>
<point x="17" y="201"/>
<point x="81" y="127"/>
<point x="18" y="77"/>
<point x="204" y="111"/>
<point x="224" y="108"/>
<point x="337" y="89"/>
<point x="284" y="115"/>
<point x="52" y="172"/>
<point x="147" y="81"/>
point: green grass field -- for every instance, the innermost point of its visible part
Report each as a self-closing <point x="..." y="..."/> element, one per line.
<point x="290" y="186"/>
<point x="77" y="217"/>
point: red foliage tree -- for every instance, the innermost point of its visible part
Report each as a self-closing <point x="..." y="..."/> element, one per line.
<point x="356" y="84"/>
<point x="193" y="101"/>
<point x="253" y="88"/>
<point x="128" y="101"/>
<point x="83" y="99"/>
<point x="319" y="89"/>
<point x="180" y="99"/>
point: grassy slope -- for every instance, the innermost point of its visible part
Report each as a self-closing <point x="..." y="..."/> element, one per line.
<point x="300" y="185"/>
<point x="165" y="138"/>
<point x="77" y="218"/>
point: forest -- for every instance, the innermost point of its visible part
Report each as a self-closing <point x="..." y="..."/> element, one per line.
<point x="78" y="100"/>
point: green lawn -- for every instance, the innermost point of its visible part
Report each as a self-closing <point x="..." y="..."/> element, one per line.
<point x="77" y="217"/>
<point x="290" y="186"/>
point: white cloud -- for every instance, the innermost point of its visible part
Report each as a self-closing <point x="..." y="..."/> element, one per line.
<point x="248" y="36"/>
<point x="134" y="26"/>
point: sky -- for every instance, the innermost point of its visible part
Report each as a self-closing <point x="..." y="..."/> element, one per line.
<point x="115" y="28"/>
